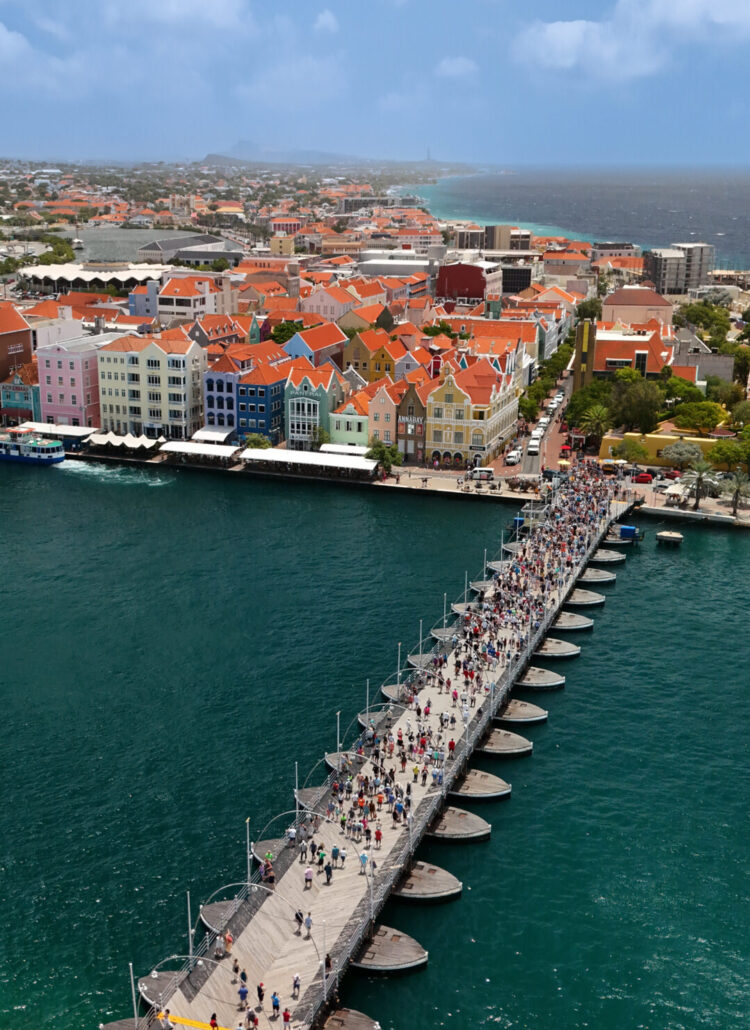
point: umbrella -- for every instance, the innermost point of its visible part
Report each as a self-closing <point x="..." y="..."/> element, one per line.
<point x="563" y="462"/>
<point x="565" y="447"/>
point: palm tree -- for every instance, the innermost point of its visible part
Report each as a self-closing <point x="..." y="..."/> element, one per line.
<point x="701" y="476"/>
<point x="736" y="487"/>
<point x="596" y="421"/>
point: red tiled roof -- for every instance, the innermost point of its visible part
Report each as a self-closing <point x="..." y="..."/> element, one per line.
<point x="11" y="320"/>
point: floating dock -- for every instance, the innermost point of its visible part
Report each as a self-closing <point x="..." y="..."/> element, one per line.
<point x="606" y="557"/>
<point x="345" y="913"/>
<point x="570" y="622"/>
<point x="553" y="648"/>
<point x="597" y="576"/>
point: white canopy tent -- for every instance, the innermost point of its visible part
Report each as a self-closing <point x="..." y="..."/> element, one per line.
<point x="210" y="435"/>
<point x="57" y="429"/>
<point x="198" y="450"/>
<point x="310" y="459"/>
<point x="343" y="448"/>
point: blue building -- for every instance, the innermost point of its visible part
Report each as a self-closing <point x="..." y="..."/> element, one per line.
<point x="260" y="401"/>
<point x="245" y="405"/>
<point x="20" y="400"/>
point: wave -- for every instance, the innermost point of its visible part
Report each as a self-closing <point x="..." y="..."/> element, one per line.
<point x="114" y="474"/>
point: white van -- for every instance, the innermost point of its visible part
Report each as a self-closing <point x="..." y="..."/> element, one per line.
<point x="483" y="475"/>
<point x="513" y="457"/>
<point x="537" y="434"/>
<point x="533" y="447"/>
<point x="543" y="423"/>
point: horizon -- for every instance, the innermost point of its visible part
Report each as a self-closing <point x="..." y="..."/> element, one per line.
<point x="181" y="79"/>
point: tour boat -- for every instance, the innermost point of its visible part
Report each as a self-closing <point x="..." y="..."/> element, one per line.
<point x="24" y="445"/>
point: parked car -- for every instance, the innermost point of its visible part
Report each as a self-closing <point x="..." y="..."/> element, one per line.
<point x="672" y="474"/>
<point x="481" y="475"/>
<point x="644" y="477"/>
<point x="513" y="457"/>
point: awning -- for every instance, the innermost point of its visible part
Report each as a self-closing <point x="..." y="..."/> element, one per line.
<point x="210" y="435"/>
<point x="311" y="459"/>
<point x="56" y="429"/>
<point x="198" y="450"/>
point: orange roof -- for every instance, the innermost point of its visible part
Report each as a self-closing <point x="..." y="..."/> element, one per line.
<point x="11" y="320"/>
<point x="370" y="312"/>
<point x="326" y="335"/>
<point x="29" y="374"/>
<point x="189" y="286"/>
<point x="323" y="376"/>
<point x="373" y="339"/>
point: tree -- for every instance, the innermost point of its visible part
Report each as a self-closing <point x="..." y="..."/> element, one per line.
<point x="589" y="309"/>
<point x="741" y="412"/>
<point x="596" y="421"/>
<point x="597" y="392"/>
<point x="681" y="454"/>
<point x="728" y="454"/>
<point x="702" y="478"/>
<point x="385" y="454"/>
<point x="676" y="387"/>
<point x="257" y="440"/>
<point x="284" y="331"/>
<point x="741" y="369"/>
<point x="746" y="315"/>
<point x="319" y="437"/>
<point x="703" y="416"/>
<point x="630" y="450"/>
<point x="636" y="405"/>
<point x="220" y="265"/>
<point x="737" y="487"/>
<point x="723" y="391"/>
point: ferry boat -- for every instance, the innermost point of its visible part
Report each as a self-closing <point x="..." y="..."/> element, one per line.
<point x="25" y="445"/>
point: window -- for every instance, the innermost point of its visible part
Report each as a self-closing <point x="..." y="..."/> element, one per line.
<point x="176" y="398"/>
<point x="209" y="383"/>
<point x="437" y="412"/>
<point x="458" y="436"/>
<point x="261" y="407"/>
<point x="375" y="434"/>
<point x="153" y="380"/>
<point x="243" y="407"/>
<point x="72" y="382"/>
<point x="154" y="397"/>
<point x="459" y="414"/>
<point x="376" y="417"/>
<point x="153" y="363"/>
<point x="477" y="440"/>
<point x="175" y="415"/>
<point x="243" y="422"/>
<point x="220" y="386"/>
<point x="437" y="436"/>
<point x="448" y="398"/>
<point x="134" y="395"/>
<point x="134" y="377"/>
<point x="48" y="379"/>
<point x="73" y="399"/>
<point x="49" y="401"/>
<point x="59" y="380"/>
<point x="46" y="363"/>
<point x="387" y="416"/>
<point x="242" y="391"/>
<point x="410" y="410"/>
<point x="387" y="436"/>
<point x="154" y="413"/>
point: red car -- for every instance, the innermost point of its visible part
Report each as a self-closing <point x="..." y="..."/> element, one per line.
<point x="644" y="477"/>
<point x="672" y="474"/>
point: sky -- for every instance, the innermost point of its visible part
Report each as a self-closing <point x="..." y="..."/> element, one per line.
<point x="506" y="82"/>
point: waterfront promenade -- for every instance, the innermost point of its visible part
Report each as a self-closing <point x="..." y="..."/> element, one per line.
<point x="444" y="719"/>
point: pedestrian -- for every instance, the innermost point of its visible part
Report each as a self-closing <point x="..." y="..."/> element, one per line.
<point x="251" y="1020"/>
<point x="299" y="919"/>
<point x="329" y="964"/>
<point x="308" y="925"/>
<point x="308" y="878"/>
<point x="166" y="1022"/>
<point x="243" y="976"/>
<point x="235" y="971"/>
<point x="328" y="869"/>
<point x="342" y="856"/>
<point x="335" y="855"/>
<point x="276" y="1002"/>
<point x="261" y="994"/>
<point x="228" y="942"/>
<point x="287" y="1017"/>
<point x="213" y="1022"/>
<point x="296" y="981"/>
<point x="363" y="863"/>
<point x="303" y="851"/>
<point x="243" y="997"/>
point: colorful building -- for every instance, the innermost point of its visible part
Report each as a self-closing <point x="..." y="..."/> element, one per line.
<point x="69" y="381"/>
<point x="19" y="396"/>
<point x="470" y="415"/>
<point x="310" y="397"/>
<point x="152" y="385"/>
<point x="322" y="344"/>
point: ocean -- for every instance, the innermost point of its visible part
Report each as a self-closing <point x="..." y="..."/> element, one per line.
<point x="173" y="642"/>
<point x="652" y="208"/>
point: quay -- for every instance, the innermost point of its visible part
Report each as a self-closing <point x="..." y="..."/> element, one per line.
<point x="318" y="923"/>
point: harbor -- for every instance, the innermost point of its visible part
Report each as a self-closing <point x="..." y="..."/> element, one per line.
<point x="344" y="903"/>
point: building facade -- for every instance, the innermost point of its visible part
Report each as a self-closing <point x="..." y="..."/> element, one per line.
<point x="69" y="381"/>
<point x="151" y="386"/>
<point x="19" y="396"/>
<point x="310" y="396"/>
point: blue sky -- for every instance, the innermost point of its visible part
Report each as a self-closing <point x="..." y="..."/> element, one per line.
<point x="502" y="81"/>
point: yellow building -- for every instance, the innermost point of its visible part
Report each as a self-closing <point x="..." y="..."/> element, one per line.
<point x="470" y="415"/>
<point x="654" y="444"/>
<point x="282" y="245"/>
<point x="151" y="385"/>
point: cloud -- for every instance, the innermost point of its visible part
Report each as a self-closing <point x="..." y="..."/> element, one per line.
<point x="212" y="14"/>
<point x="635" y="39"/>
<point x="326" y="22"/>
<point x="296" y="85"/>
<point x="456" y="68"/>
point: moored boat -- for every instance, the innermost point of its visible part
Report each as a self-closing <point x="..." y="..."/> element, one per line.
<point x="24" y="445"/>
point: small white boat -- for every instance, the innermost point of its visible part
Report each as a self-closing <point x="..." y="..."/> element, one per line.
<point x="77" y="244"/>
<point x="668" y="536"/>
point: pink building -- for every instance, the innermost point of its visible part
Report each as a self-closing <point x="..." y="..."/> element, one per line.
<point x="69" y="381"/>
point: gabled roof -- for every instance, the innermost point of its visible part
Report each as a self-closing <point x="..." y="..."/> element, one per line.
<point x="324" y="376"/>
<point x="188" y="286"/>
<point x="28" y="374"/>
<point x="373" y="339"/>
<point x="326" y="335"/>
<point x="370" y="312"/>
<point x="637" y="296"/>
<point x="11" y="319"/>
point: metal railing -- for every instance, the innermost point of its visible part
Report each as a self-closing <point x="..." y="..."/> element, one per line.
<point x="348" y="943"/>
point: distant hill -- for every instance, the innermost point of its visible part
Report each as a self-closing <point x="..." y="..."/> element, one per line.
<point x="247" y="152"/>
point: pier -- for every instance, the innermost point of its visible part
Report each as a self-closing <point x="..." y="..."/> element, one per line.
<point x="318" y="917"/>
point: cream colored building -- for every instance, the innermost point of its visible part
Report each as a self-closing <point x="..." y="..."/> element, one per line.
<point x="151" y="386"/>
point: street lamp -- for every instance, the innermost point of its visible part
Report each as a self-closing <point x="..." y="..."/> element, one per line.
<point x="248" y="851"/>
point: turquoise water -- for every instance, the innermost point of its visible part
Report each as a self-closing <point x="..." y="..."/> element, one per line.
<point x="172" y="644"/>
<point x="652" y="208"/>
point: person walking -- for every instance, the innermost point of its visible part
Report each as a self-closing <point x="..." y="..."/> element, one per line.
<point x="296" y="982"/>
<point x="328" y="870"/>
<point x="308" y="878"/>
<point x="213" y="1022"/>
<point x="235" y="971"/>
<point x="363" y="863"/>
<point x="286" y="1017"/>
<point x="261" y="994"/>
<point x="243" y="997"/>
<point x="335" y="855"/>
<point x="299" y="920"/>
<point x="342" y="856"/>
<point x="308" y="926"/>
<point x="276" y="1003"/>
